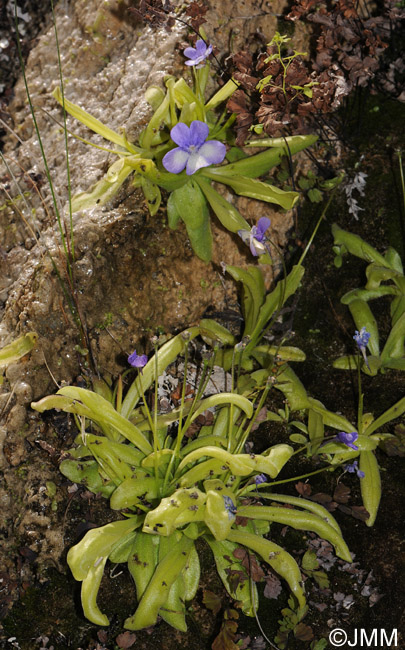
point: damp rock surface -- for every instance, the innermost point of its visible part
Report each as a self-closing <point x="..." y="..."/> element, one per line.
<point x="130" y="274"/>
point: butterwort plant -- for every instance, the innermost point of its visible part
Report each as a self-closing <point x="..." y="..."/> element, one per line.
<point x="384" y="279"/>
<point x="260" y="309"/>
<point x="353" y="446"/>
<point x="169" y="490"/>
<point x="186" y="146"/>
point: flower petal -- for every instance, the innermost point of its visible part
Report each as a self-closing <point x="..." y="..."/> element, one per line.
<point x="362" y="338"/>
<point x="209" y="153"/>
<point x="244" y="235"/>
<point x="194" y="162"/>
<point x="198" y="133"/>
<point x="262" y="225"/>
<point x="175" y="160"/>
<point x="348" y="439"/>
<point x="201" y="47"/>
<point x="191" y="53"/>
<point x="252" y="246"/>
<point x="198" y="54"/>
<point x="137" y="361"/>
<point x="213" y="151"/>
<point x="180" y="134"/>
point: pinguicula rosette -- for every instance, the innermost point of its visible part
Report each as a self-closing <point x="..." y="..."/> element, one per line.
<point x="137" y="361"/>
<point x="255" y="237"/>
<point x="193" y="151"/>
<point x="348" y="439"/>
<point x="197" y="55"/>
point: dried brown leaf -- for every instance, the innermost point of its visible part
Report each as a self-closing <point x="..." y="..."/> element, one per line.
<point x="235" y="578"/>
<point x="303" y="632"/>
<point x="304" y="489"/>
<point x="226" y="637"/>
<point x="341" y="493"/>
<point x="261" y="417"/>
<point x="196" y="11"/>
<point x="325" y="500"/>
<point x="273" y="586"/>
<point x="212" y="601"/>
<point x="125" y="640"/>
<point x="244" y="117"/>
<point x="250" y="563"/>
<point x="155" y="13"/>
<point x="102" y="636"/>
<point x="358" y="512"/>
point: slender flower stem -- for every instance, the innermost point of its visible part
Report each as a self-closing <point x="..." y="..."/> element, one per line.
<point x="183" y="397"/>
<point x="172" y="104"/>
<point x="65" y="131"/>
<point x="118" y="399"/>
<point x="155" y="409"/>
<point x="69" y="293"/>
<point x="360" y="399"/>
<point x="401" y="173"/>
<point x="280" y="57"/>
<point x="311" y="239"/>
<point x="32" y="228"/>
<point x="180" y="429"/>
<point x="197" y="85"/>
<point x="156" y="445"/>
<point x="230" y="421"/>
<point x="248" y="429"/>
<point x="47" y="171"/>
<point x="282" y="294"/>
<point x="252" y="487"/>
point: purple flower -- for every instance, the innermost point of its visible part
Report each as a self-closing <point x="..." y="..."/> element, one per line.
<point x="348" y="439"/>
<point x="260" y="478"/>
<point x="353" y="467"/>
<point x="137" y="361"/>
<point x="362" y="338"/>
<point x="256" y="237"/>
<point x="198" y="54"/>
<point x="230" y="507"/>
<point x="193" y="151"/>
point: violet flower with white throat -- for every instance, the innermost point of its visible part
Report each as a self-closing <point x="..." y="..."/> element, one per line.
<point x="197" y="55"/>
<point x="255" y="237"/>
<point x="193" y="151"/>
